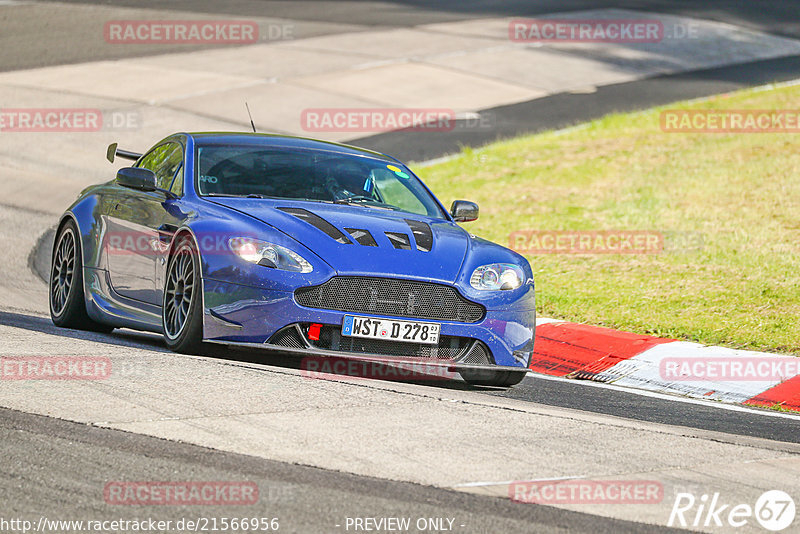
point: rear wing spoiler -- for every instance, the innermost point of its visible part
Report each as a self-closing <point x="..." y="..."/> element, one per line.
<point x="126" y="154"/>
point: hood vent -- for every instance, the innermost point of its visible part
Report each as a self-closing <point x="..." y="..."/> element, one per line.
<point x="399" y="240"/>
<point x="422" y="234"/>
<point x="362" y="237"/>
<point x="319" y="223"/>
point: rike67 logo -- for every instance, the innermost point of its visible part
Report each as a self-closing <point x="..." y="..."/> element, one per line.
<point x="774" y="510"/>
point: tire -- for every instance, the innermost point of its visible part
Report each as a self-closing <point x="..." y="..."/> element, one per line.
<point x="65" y="291"/>
<point x="181" y="310"/>
<point x="487" y="377"/>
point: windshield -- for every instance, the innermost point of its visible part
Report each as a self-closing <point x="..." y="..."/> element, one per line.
<point x="315" y="175"/>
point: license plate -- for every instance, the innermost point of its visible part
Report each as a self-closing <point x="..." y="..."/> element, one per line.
<point x="390" y="330"/>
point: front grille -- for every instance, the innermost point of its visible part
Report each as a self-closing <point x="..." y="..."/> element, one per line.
<point x="392" y="297"/>
<point x="448" y="348"/>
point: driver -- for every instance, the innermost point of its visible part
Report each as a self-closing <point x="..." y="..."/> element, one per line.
<point x="347" y="180"/>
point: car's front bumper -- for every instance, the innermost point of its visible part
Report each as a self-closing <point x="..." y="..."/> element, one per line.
<point x="244" y="315"/>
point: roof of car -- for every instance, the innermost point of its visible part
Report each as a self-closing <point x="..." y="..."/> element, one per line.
<point x="274" y="140"/>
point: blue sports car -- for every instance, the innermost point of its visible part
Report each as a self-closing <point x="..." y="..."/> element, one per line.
<point x="294" y="245"/>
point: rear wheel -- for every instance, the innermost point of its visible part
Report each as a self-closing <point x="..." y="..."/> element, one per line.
<point x="182" y="316"/>
<point x="67" y="304"/>
<point x="488" y="377"/>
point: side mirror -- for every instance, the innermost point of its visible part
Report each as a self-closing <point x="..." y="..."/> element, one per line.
<point x="137" y="178"/>
<point x="464" y="211"/>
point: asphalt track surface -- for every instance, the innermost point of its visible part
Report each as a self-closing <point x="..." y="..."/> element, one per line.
<point x="578" y="395"/>
<point x="53" y="467"/>
<point x="63" y="467"/>
<point x="552" y="112"/>
<point x="566" y="109"/>
<point x="772" y="16"/>
<point x="67" y="42"/>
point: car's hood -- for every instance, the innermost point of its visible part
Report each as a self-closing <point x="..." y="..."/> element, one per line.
<point x="350" y="252"/>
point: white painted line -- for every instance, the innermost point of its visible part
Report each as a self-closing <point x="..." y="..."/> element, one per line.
<point x="547" y="320"/>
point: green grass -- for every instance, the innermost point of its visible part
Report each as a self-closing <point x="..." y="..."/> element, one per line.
<point x="779" y="408"/>
<point x="741" y="192"/>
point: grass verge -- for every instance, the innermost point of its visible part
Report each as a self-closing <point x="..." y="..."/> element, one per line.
<point x="739" y="193"/>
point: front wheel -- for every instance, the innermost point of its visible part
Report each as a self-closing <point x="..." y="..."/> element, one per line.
<point x="488" y="377"/>
<point x="181" y="313"/>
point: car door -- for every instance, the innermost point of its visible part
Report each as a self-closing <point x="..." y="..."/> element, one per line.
<point x="141" y="226"/>
<point x="171" y="219"/>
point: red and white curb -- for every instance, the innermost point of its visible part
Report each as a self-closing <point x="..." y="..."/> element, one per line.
<point x="663" y="365"/>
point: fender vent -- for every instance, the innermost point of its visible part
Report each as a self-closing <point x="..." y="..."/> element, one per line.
<point x="399" y="240"/>
<point x="422" y="234"/>
<point x="319" y="223"/>
<point x="362" y="237"/>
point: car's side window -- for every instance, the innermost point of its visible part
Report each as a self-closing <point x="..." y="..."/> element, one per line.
<point x="177" y="183"/>
<point x="165" y="161"/>
<point x="148" y="160"/>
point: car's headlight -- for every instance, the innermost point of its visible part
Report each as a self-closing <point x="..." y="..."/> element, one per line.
<point x="269" y="255"/>
<point x="497" y="276"/>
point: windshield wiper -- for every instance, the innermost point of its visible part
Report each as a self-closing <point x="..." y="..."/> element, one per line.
<point x="361" y="201"/>
<point x="231" y="195"/>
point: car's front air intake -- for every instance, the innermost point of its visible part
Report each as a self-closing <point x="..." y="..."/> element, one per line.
<point x="449" y="348"/>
